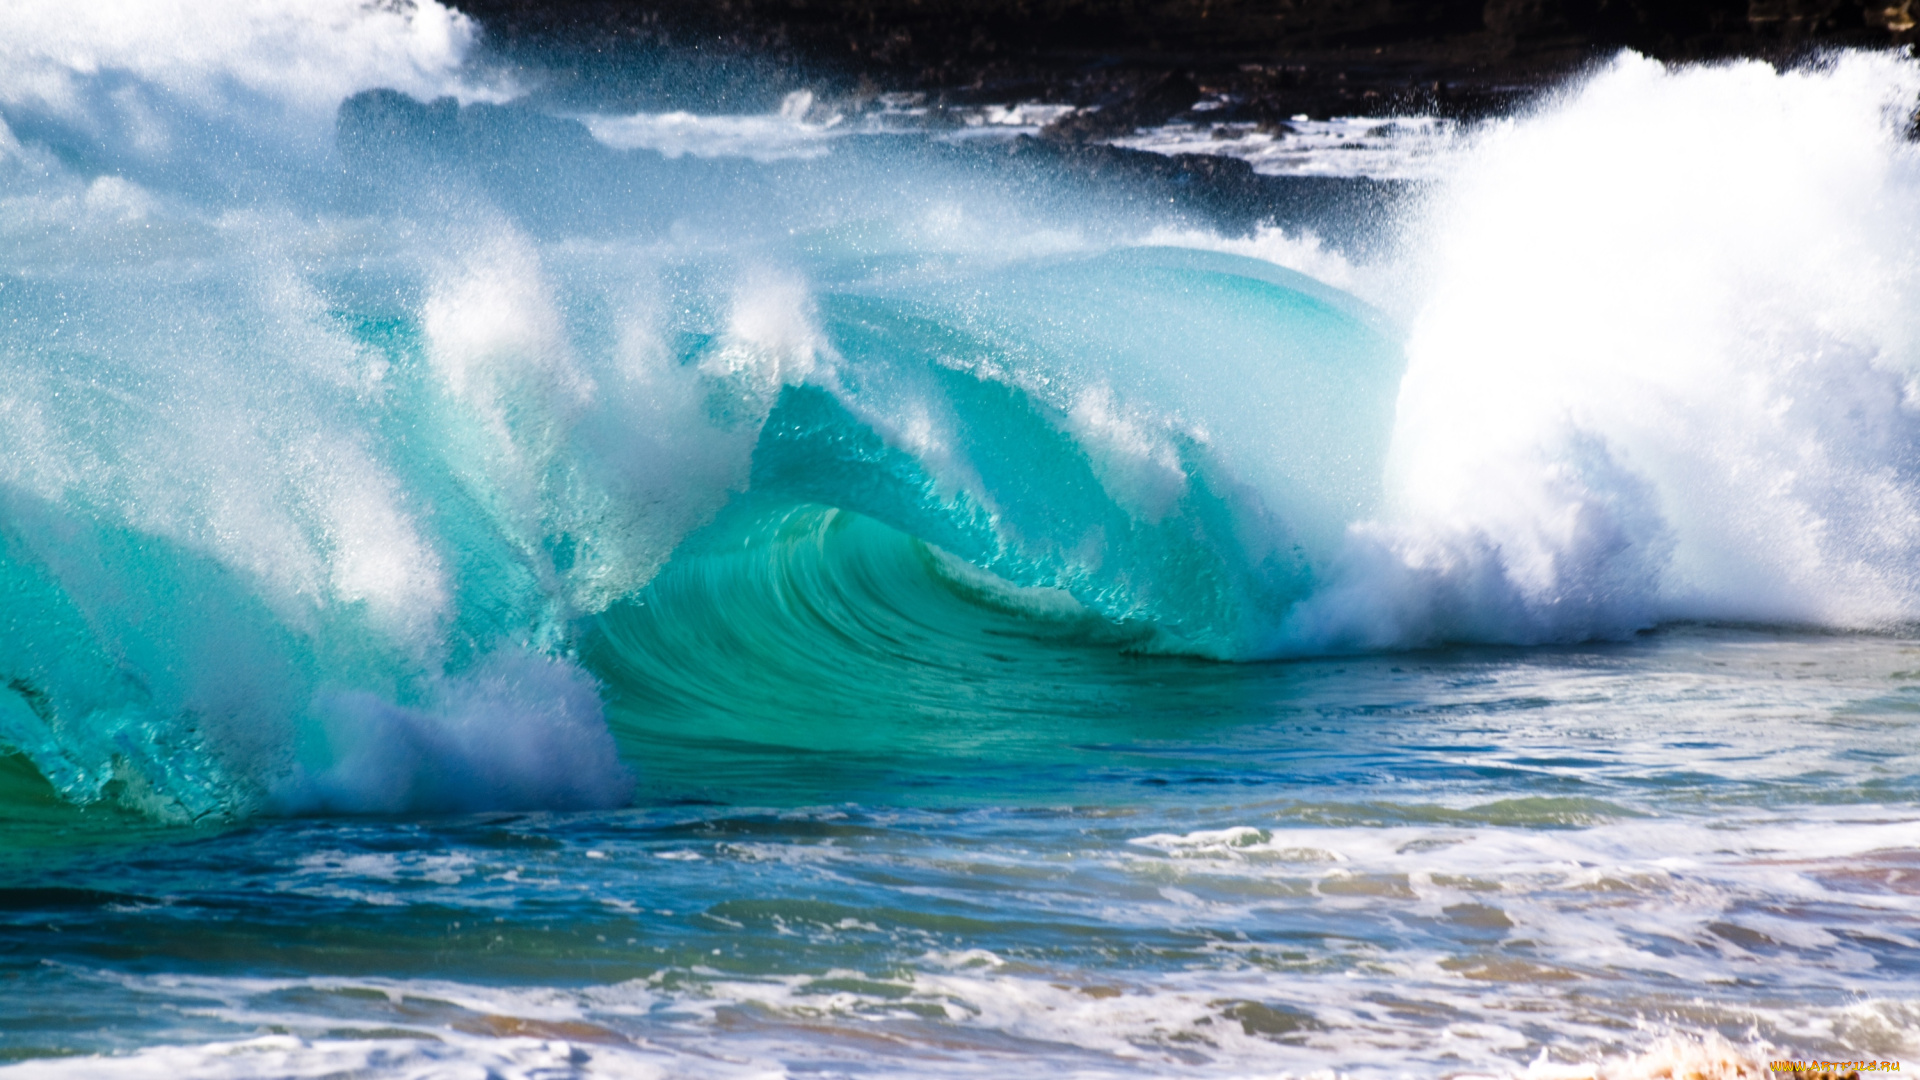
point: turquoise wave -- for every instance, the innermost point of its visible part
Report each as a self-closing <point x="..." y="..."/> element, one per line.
<point x="1141" y="450"/>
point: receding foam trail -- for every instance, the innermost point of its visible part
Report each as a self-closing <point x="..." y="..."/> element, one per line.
<point x="1665" y="367"/>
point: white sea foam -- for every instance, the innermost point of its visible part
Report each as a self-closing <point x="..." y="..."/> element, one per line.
<point x="1661" y="362"/>
<point x="789" y="133"/>
<point x="1295" y="249"/>
<point x="1662" y="367"/>
<point x="126" y="70"/>
<point x="805" y="127"/>
<point x="520" y="731"/>
<point x="1390" y="148"/>
<point x="1603" y="911"/>
<point x="285" y="1056"/>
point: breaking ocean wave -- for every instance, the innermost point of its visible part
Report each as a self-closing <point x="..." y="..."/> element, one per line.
<point x="380" y="442"/>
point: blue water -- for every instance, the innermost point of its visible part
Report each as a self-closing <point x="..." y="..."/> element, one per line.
<point x="488" y="588"/>
<point x="1424" y="863"/>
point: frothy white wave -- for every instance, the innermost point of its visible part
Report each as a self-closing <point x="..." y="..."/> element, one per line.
<point x="1663" y="368"/>
<point x="125" y="70"/>
<point x="789" y="133"/>
<point x="1294" y="249"/>
<point x="1662" y="364"/>
<point x="519" y="731"/>
<point x="1571" y="952"/>
<point x="1394" y="148"/>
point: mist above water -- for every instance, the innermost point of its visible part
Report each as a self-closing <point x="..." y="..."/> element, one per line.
<point x="345" y="392"/>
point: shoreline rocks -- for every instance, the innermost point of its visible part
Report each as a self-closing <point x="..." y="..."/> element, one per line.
<point x="1126" y="63"/>
<point x="1114" y="67"/>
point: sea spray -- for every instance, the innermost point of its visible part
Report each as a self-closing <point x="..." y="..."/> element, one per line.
<point x="401" y="386"/>
<point x="782" y="604"/>
<point x="402" y="415"/>
<point x="1661" y="368"/>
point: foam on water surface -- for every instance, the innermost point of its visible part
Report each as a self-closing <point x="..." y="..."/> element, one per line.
<point x="843" y="560"/>
<point x="1505" y="864"/>
<point x="1408" y="148"/>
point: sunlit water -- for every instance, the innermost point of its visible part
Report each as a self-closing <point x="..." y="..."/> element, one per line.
<point x="496" y="585"/>
<point x="1429" y="863"/>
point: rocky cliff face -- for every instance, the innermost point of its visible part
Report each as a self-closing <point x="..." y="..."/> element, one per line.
<point x="1309" y="56"/>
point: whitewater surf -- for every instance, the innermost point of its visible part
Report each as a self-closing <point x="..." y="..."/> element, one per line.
<point x="490" y="588"/>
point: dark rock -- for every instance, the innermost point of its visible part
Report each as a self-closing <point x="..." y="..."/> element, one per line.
<point x="1318" y="57"/>
<point x="402" y="154"/>
<point x="1258" y="1018"/>
<point x="1221" y="192"/>
<point x="1155" y="103"/>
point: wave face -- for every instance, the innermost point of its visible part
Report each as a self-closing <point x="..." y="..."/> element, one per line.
<point x="364" y="422"/>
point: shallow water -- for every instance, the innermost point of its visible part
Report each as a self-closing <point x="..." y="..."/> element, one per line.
<point x="1429" y="863"/>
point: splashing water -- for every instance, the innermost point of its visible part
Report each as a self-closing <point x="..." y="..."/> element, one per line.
<point x="377" y="442"/>
<point x="1664" y="368"/>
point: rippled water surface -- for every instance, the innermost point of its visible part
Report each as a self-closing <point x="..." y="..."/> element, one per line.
<point x="1433" y="862"/>
<point x="498" y="586"/>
